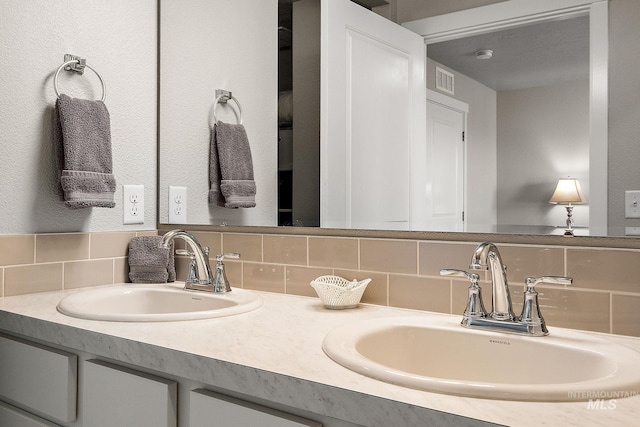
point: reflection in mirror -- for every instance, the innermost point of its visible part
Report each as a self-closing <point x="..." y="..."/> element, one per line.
<point x="509" y="14"/>
<point x="500" y="193"/>
<point x="533" y="82"/>
<point x="205" y="46"/>
<point x="528" y="125"/>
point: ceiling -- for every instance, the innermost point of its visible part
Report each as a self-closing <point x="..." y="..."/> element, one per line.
<point x="535" y="55"/>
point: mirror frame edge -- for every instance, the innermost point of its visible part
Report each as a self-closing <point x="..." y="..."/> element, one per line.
<point x="440" y="236"/>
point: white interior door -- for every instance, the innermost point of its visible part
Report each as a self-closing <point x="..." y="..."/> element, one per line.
<point x="445" y="167"/>
<point x="372" y="118"/>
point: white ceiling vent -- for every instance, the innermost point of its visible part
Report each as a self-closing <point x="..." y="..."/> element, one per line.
<point x="444" y="80"/>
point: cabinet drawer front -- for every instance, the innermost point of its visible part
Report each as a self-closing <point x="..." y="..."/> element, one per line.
<point x="14" y="417"/>
<point x="41" y="378"/>
<point x="209" y="409"/>
<point x="117" y="396"/>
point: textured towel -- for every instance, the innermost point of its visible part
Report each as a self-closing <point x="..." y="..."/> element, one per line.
<point x="149" y="262"/>
<point x="231" y="168"/>
<point x="82" y="135"/>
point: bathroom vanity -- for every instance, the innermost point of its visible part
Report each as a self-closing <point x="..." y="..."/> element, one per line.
<point x="265" y="367"/>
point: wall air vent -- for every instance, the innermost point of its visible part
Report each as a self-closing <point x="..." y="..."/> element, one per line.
<point x="444" y="81"/>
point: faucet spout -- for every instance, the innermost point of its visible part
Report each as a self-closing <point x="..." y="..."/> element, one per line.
<point x="201" y="280"/>
<point x="487" y="257"/>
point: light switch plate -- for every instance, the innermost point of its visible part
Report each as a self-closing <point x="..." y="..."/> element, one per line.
<point x="632" y="204"/>
<point x="133" y="204"/>
<point x="177" y="205"/>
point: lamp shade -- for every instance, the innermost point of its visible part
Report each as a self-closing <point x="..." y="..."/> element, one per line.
<point x="568" y="191"/>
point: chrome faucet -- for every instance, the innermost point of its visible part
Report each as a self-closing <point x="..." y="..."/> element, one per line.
<point x="530" y="322"/>
<point x="487" y="257"/>
<point x="199" y="267"/>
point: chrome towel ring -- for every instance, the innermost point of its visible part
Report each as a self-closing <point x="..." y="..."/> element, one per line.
<point x="222" y="97"/>
<point x="77" y="64"/>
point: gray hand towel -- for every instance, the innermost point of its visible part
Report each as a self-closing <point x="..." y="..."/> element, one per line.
<point x="82" y="134"/>
<point x="149" y="262"/>
<point x="231" y="168"/>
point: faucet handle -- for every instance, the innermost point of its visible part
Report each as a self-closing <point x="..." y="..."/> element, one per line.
<point x="220" y="281"/>
<point x="232" y="255"/>
<point x="453" y="272"/>
<point x="531" y="315"/>
<point x="531" y="282"/>
<point x="185" y="252"/>
<point x="475" y="306"/>
<point x="193" y="276"/>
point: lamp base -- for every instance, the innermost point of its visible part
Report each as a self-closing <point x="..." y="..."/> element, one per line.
<point x="569" y="231"/>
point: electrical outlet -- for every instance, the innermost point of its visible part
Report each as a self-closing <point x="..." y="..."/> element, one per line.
<point x="133" y="204"/>
<point x="177" y="205"/>
<point x="632" y="204"/>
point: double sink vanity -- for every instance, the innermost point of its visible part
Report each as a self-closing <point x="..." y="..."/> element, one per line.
<point x="284" y="360"/>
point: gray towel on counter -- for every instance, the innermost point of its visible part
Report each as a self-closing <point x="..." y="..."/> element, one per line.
<point x="231" y="168"/>
<point x="82" y="134"/>
<point x="149" y="262"/>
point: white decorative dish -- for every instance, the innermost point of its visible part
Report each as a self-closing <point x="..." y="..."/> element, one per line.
<point x="337" y="293"/>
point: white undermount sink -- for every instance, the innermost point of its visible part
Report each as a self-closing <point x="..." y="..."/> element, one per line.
<point x="434" y="353"/>
<point x="156" y="303"/>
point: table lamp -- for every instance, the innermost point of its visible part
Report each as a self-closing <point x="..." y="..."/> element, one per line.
<point x="568" y="193"/>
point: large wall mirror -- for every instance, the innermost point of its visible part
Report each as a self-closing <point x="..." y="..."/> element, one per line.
<point x="509" y="170"/>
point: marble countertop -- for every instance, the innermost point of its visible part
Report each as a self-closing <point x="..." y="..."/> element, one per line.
<point x="274" y="353"/>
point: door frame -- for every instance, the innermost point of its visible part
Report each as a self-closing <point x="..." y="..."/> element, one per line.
<point x="462" y="107"/>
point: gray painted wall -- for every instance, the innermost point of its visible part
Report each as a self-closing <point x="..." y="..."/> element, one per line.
<point x="543" y="135"/>
<point x="118" y="38"/>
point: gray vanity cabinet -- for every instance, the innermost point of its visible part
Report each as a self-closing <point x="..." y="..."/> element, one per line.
<point x="42" y="386"/>
<point x="38" y="379"/>
<point x="209" y="409"/>
<point x="117" y="396"/>
<point x="10" y="416"/>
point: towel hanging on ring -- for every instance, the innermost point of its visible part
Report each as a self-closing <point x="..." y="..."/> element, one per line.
<point x="231" y="167"/>
<point x="230" y="164"/>
<point x="82" y="135"/>
<point x="82" y="138"/>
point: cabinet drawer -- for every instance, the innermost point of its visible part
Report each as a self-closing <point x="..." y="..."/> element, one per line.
<point x="117" y="396"/>
<point x="14" y="417"/>
<point x="209" y="409"/>
<point x="38" y="377"/>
